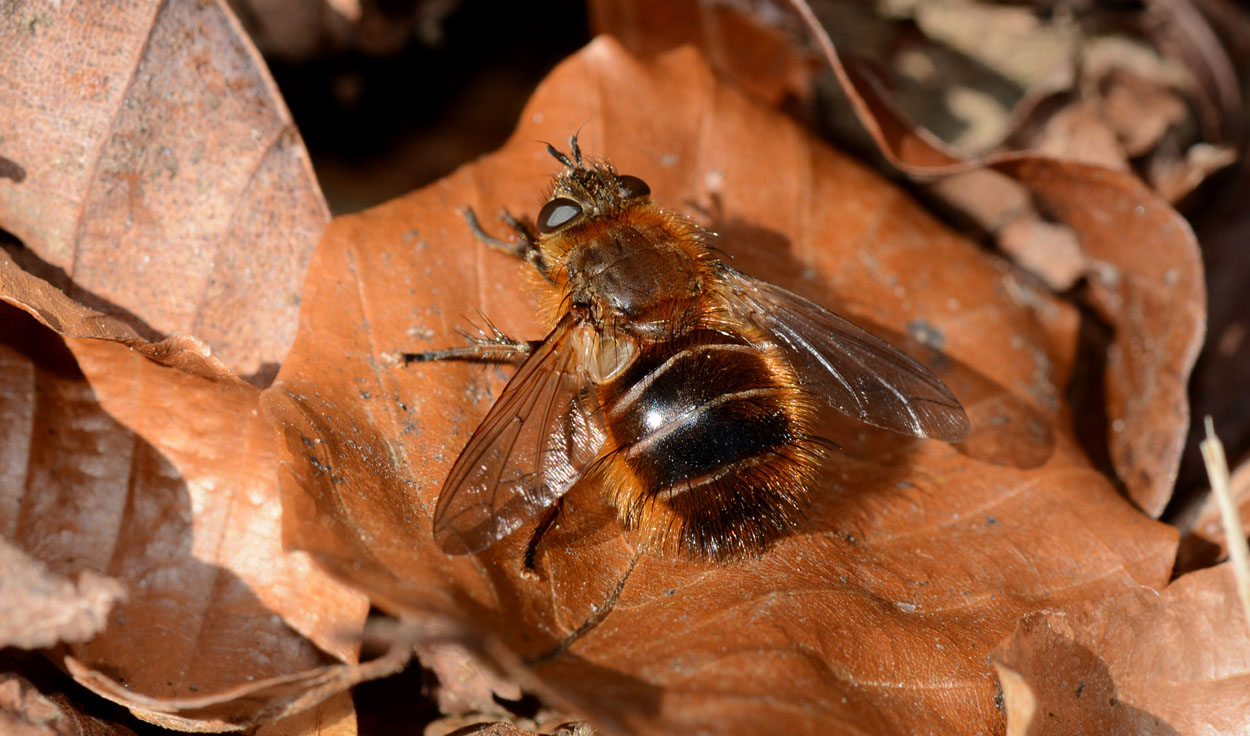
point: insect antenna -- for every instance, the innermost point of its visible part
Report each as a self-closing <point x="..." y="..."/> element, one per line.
<point x="557" y="155"/>
<point x="576" y="149"/>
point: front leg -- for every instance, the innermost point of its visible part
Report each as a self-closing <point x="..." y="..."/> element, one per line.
<point x="524" y="247"/>
<point x="495" y="347"/>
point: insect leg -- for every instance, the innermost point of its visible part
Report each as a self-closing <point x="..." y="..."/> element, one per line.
<point x="495" y="347"/>
<point x="545" y="523"/>
<point x="525" y="247"/>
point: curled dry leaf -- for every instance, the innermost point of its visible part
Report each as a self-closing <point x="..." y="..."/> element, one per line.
<point x="68" y="318"/>
<point x="252" y="703"/>
<point x="1145" y="278"/>
<point x="42" y="608"/>
<point x="465" y="686"/>
<point x="878" y="615"/>
<point x="474" y="726"/>
<point x="1137" y="253"/>
<point x="167" y="482"/>
<point x="24" y="711"/>
<point x="500" y="728"/>
<point x="1145" y="662"/>
<point x="163" y="179"/>
<point x="333" y="717"/>
<point x="162" y="184"/>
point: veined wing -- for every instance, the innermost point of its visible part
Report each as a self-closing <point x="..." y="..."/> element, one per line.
<point x="533" y="446"/>
<point x="843" y="365"/>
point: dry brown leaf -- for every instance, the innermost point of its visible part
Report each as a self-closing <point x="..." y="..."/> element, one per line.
<point x="1145" y="279"/>
<point x="333" y="717"/>
<point x="166" y="482"/>
<point x="173" y="194"/>
<point x="878" y="616"/>
<point x="68" y="318"/>
<point x="24" y="711"/>
<point x="162" y="178"/>
<point x="1127" y="105"/>
<point x="464" y="685"/>
<point x="475" y="726"/>
<point x="761" y="52"/>
<point x="1146" y="662"/>
<point x="42" y="608"/>
<point x="251" y="703"/>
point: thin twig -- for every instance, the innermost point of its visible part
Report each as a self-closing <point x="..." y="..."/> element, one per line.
<point x="1234" y="533"/>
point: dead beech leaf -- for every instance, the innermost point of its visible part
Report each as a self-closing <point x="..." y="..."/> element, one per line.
<point x="333" y="717"/>
<point x="879" y="614"/>
<point x="244" y="705"/>
<point x="1145" y="662"/>
<point x="761" y="52"/>
<point x="464" y="685"/>
<point x="472" y="725"/>
<point x="476" y="725"/>
<point x="1145" y="277"/>
<point x="42" y="608"/>
<point x="164" y="180"/>
<point x="24" y="711"/>
<point x="166" y="482"/>
<point x="68" y="318"/>
<point x="497" y="728"/>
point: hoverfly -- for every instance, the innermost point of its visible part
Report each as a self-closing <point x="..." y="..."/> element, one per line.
<point x="687" y="389"/>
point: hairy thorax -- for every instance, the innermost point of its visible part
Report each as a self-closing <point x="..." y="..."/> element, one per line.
<point x="634" y="277"/>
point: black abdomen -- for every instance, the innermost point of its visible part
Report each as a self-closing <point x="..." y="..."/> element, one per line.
<point x="711" y="445"/>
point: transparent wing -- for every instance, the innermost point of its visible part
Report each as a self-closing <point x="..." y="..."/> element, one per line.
<point x="533" y="446"/>
<point x="843" y="365"/>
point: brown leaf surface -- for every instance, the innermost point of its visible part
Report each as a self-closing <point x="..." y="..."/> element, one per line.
<point x="162" y="179"/>
<point x="500" y="728"/>
<point x="24" y="711"/>
<point x="42" y="608"/>
<point x="762" y="53"/>
<point x="68" y="318"/>
<point x="334" y="717"/>
<point x="1145" y="279"/>
<point x="878" y="616"/>
<point x="251" y="703"/>
<point x="465" y="686"/>
<point x="472" y="726"/>
<point x="166" y="482"/>
<point x="1146" y="662"/>
<point x="1139" y="255"/>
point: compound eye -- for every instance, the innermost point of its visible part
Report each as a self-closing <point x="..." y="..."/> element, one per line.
<point x="632" y="186"/>
<point x="557" y="213"/>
